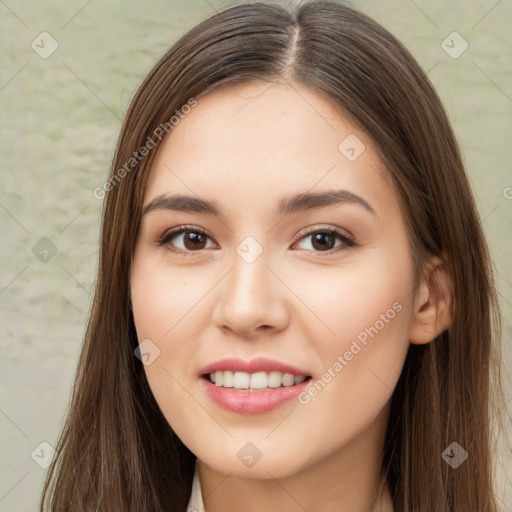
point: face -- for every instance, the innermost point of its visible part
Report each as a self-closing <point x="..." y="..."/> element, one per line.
<point x="323" y="285"/>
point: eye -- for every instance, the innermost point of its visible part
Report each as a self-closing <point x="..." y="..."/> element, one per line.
<point x="324" y="240"/>
<point x="192" y="238"/>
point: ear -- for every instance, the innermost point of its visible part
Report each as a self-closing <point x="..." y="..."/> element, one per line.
<point x="433" y="309"/>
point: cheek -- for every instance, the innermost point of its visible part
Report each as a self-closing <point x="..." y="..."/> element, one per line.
<point x="163" y="311"/>
<point x="169" y="310"/>
<point x="358" y="380"/>
<point x="165" y="301"/>
<point x="368" y="311"/>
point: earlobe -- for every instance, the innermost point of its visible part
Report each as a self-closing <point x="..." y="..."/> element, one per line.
<point x="433" y="309"/>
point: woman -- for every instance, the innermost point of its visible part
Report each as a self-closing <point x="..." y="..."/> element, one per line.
<point x="294" y="307"/>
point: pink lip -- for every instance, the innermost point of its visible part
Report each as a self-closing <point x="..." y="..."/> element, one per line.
<point x="260" y="364"/>
<point x="252" y="402"/>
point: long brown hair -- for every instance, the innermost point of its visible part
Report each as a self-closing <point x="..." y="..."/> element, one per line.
<point x="117" y="451"/>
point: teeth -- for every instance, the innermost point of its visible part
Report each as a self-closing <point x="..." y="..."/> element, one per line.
<point x="227" y="379"/>
<point x="288" y="379"/>
<point x="259" y="380"/>
<point x="240" y="380"/>
<point x="275" y="379"/>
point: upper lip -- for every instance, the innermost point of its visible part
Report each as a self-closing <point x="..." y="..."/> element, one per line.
<point x="260" y="364"/>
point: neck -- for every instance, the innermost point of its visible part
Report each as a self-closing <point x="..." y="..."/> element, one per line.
<point x="349" y="479"/>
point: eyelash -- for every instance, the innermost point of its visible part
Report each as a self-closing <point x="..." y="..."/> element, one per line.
<point x="348" y="242"/>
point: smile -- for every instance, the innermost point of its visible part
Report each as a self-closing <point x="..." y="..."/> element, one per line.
<point x="251" y="381"/>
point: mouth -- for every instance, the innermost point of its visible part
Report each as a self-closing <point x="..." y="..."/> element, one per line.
<point x="253" y="393"/>
<point x="256" y="386"/>
<point x="258" y="381"/>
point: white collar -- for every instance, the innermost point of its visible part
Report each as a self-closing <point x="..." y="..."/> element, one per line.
<point x="195" y="503"/>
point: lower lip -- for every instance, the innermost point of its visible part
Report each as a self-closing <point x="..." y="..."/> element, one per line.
<point x="252" y="402"/>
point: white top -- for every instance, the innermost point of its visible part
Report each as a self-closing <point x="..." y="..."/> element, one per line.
<point x="195" y="503"/>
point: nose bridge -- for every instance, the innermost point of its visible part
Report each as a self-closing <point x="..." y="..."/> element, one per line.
<point x="249" y="286"/>
<point x="251" y="296"/>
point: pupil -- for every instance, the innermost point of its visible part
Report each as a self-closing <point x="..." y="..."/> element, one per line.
<point x="194" y="239"/>
<point x="323" y="240"/>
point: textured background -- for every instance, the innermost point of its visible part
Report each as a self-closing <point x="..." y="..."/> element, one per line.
<point x="61" y="115"/>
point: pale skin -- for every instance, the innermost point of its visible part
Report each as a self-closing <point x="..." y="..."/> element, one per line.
<point x="245" y="148"/>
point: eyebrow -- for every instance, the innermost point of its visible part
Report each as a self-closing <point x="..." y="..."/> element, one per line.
<point x="297" y="203"/>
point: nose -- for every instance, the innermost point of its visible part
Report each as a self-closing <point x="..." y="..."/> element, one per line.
<point x="251" y="300"/>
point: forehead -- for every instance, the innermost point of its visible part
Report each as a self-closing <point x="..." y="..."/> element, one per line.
<point x="263" y="119"/>
<point x="264" y="139"/>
